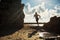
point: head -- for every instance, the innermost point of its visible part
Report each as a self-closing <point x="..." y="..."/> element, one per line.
<point x="35" y="12"/>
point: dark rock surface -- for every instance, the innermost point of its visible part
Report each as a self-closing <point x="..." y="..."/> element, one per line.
<point x="11" y="16"/>
<point x="54" y="25"/>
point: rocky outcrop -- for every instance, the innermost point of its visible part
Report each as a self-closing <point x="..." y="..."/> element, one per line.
<point x="11" y="16"/>
<point x="54" y="25"/>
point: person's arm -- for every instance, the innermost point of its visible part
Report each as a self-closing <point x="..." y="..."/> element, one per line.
<point x="39" y="16"/>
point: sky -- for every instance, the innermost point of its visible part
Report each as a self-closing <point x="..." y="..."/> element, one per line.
<point x="45" y="8"/>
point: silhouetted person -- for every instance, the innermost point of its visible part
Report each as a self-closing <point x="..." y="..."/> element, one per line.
<point x="36" y="17"/>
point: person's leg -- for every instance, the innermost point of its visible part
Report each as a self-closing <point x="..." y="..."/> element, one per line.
<point x="37" y="22"/>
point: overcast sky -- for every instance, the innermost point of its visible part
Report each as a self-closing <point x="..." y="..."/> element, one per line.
<point x="45" y="8"/>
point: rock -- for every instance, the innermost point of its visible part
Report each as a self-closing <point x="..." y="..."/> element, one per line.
<point x="12" y="16"/>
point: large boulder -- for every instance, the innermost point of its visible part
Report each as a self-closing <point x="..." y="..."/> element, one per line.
<point x="11" y="16"/>
<point x="54" y="25"/>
